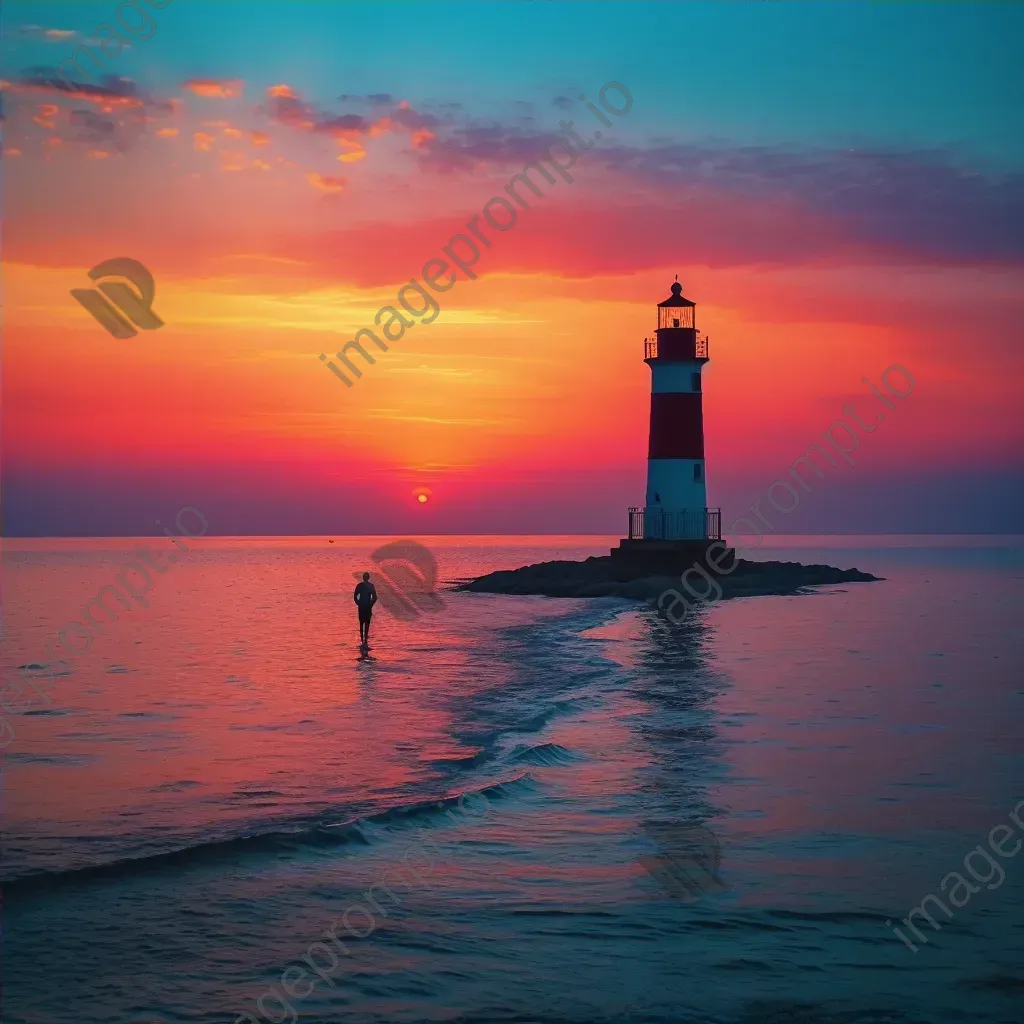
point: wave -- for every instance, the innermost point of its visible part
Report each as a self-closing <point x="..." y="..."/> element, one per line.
<point x="544" y="754"/>
<point x="300" y="835"/>
<point x="553" y="674"/>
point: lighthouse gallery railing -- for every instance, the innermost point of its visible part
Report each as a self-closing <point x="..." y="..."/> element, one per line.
<point x="675" y="523"/>
<point x="700" y="349"/>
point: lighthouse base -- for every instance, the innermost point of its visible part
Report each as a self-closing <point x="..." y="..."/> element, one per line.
<point x="635" y="559"/>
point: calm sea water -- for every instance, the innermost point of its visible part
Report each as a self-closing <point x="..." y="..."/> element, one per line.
<point x="178" y="816"/>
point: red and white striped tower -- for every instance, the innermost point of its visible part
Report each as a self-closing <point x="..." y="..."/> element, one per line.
<point x="676" y="503"/>
<point x="675" y="529"/>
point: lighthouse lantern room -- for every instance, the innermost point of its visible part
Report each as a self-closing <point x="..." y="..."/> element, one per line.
<point x="675" y="521"/>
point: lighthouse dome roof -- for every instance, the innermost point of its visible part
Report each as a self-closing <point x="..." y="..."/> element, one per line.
<point x="677" y="298"/>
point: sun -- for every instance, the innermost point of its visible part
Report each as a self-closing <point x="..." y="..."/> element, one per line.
<point x="422" y="499"/>
<point x="422" y="495"/>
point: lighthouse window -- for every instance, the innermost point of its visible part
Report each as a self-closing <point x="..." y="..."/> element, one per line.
<point x="675" y="321"/>
<point x="696" y="471"/>
<point x="695" y="382"/>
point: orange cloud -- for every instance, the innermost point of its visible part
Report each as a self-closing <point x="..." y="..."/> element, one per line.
<point x="260" y="139"/>
<point x="166" y="133"/>
<point x="283" y="91"/>
<point x="90" y="94"/>
<point x="233" y="133"/>
<point x="355" y="151"/>
<point x="325" y="183"/>
<point x="12" y="151"/>
<point x="215" y="88"/>
<point x="203" y="141"/>
<point x="261" y="165"/>
<point x="232" y="161"/>
<point x="47" y="112"/>
<point x="422" y="137"/>
<point x="98" y="154"/>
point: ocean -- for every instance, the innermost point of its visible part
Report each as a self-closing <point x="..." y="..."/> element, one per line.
<point x="513" y="808"/>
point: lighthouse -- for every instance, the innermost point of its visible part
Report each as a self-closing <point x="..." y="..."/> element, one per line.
<point x="674" y="527"/>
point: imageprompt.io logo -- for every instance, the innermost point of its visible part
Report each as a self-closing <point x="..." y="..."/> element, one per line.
<point x="406" y="581"/>
<point x="126" y="305"/>
<point x="686" y="864"/>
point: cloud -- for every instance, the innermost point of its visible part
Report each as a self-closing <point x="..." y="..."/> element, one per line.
<point x="91" y="126"/>
<point x="920" y="201"/>
<point x="326" y="184"/>
<point x="113" y="113"/>
<point x="233" y="161"/>
<point x="47" y="112"/>
<point x="66" y="35"/>
<point x="448" y="110"/>
<point x="215" y="88"/>
<point x="285" y="106"/>
<point x="496" y="145"/>
<point x="343" y="126"/>
<point x="53" y="35"/>
<point x="412" y="119"/>
<point x="376" y="98"/>
<point x="112" y="92"/>
<point x="912" y="204"/>
<point x="923" y="204"/>
<point x="567" y="236"/>
<point x="726" y="205"/>
<point x="422" y="138"/>
<point x="354" y="152"/>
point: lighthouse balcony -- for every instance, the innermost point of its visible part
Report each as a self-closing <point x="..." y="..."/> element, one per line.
<point x="656" y="522"/>
<point x="674" y="345"/>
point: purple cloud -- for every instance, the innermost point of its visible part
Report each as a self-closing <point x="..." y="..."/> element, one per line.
<point x="921" y="200"/>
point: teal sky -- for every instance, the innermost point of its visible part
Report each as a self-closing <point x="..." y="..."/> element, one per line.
<point x="793" y="72"/>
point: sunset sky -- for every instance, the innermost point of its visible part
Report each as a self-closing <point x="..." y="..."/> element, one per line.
<point x="839" y="187"/>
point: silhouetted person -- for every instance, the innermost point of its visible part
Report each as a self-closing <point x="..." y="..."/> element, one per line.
<point x="365" y="597"/>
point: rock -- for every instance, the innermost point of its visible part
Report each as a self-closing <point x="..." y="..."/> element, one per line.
<point x="594" y="578"/>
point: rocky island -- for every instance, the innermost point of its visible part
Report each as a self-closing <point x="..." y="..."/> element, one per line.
<point x="600" y="576"/>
